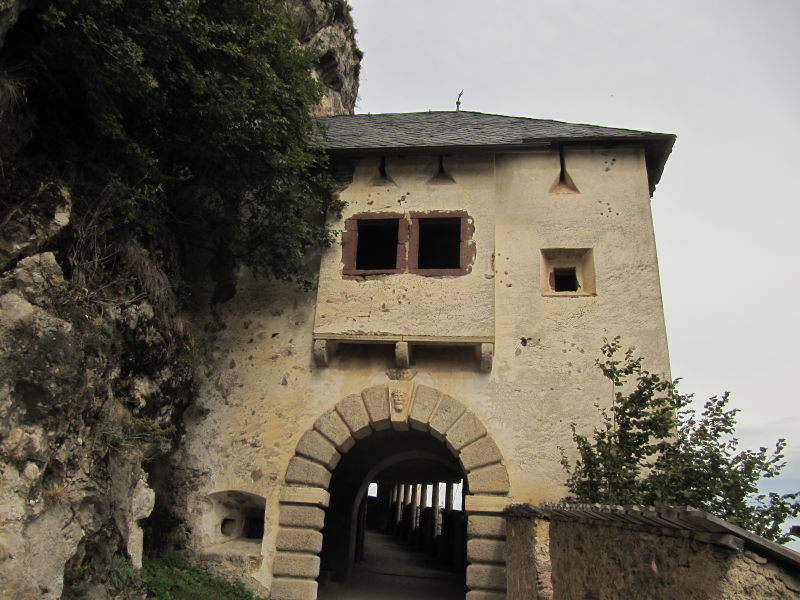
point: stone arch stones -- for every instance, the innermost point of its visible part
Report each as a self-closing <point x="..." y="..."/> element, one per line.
<point x="400" y="405"/>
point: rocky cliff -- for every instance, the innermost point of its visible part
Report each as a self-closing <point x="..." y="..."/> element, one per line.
<point x="94" y="381"/>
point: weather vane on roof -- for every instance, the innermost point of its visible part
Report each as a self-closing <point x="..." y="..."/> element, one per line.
<point x="458" y="100"/>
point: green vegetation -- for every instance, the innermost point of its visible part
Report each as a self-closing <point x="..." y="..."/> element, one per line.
<point x="651" y="448"/>
<point x="173" y="579"/>
<point x="163" y="578"/>
<point x="168" y="120"/>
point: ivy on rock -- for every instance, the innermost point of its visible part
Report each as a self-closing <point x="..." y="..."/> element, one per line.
<point x="187" y="118"/>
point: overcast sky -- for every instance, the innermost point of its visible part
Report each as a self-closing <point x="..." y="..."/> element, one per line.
<point x="721" y="74"/>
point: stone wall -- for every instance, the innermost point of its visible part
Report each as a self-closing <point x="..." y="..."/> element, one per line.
<point x="593" y="560"/>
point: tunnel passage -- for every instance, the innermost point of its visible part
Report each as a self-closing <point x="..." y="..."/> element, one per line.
<point x="454" y="437"/>
<point x="391" y="459"/>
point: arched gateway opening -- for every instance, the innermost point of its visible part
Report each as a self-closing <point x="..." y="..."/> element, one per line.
<point x="390" y="433"/>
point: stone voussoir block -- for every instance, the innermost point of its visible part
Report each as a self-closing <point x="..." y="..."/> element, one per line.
<point x="446" y="414"/>
<point x="316" y="446"/>
<point x="306" y="472"/>
<point x="334" y="428"/>
<point x="425" y="401"/>
<point x="486" y="577"/>
<point x="354" y="414"/>
<point x="301" y="515"/>
<point x="481" y="550"/>
<point x="479" y="453"/>
<point x="298" y="539"/>
<point x="376" y="400"/>
<point x="290" y="494"/>
<point x="486" y="526"/>
<point x="466" y="430"/>
<point x="293" y="589"/>
<point x="492" y="479"/>
<point x="296" y="564"/>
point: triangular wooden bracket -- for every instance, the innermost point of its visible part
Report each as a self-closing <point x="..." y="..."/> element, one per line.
<point x="563" y="183"/>
<point x="442" y="177"/>
<point x="382" y="179"/>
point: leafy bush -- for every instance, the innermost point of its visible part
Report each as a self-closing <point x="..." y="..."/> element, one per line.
<point x="651" y="448"/>
<point x="186" y="117"/>
<point x="173" y="579"/>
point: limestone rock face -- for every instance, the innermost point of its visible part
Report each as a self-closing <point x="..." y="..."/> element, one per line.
<point x="93" y="387"/>
<point x="9" y="13"/>
<point x="25" y="232"/>
<point x="76" y="423"/>
<point x="326" y="28"/>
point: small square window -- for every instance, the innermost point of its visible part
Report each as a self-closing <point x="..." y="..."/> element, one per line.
<point x="565" y="280"/>
<point x="567" y="272"/>
<point x="439" y="244"/>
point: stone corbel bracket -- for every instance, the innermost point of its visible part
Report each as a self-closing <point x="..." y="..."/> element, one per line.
<point x="323" y="352"/>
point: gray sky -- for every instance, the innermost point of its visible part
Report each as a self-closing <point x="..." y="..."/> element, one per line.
<point x="724" y="75"/>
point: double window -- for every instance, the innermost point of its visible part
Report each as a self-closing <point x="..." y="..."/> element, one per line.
<point x="431" y="244"/>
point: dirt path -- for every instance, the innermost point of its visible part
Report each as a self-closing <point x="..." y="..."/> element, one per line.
<point x="392" y="571"/>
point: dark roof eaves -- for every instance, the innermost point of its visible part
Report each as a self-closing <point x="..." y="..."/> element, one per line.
<point x="511" y="146"/>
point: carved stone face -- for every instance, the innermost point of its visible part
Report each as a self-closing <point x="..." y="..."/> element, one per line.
<point x="398" y="400"/>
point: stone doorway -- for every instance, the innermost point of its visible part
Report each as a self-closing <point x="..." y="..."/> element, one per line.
<point x="401" y="434"/>
<point x="363" y="534"/>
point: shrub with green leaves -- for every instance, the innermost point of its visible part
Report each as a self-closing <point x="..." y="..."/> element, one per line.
<point x="167" y="117"/>
<point x="651" y="448"/>
<point x="171" y="578"/>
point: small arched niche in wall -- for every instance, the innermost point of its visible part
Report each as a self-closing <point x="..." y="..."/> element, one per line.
<point x="233" y="516"/>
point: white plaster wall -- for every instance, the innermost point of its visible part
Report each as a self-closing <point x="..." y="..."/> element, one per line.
<point x="263" y="391"/>
<point x="406" y="304"/>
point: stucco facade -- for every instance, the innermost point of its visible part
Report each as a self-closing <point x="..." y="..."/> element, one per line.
<point x="496" y="360"/>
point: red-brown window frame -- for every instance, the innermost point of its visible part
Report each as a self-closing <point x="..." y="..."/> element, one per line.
<point x="350" y="243"/>
<point x="408" y="243"/>
<point x="466" y="250"/>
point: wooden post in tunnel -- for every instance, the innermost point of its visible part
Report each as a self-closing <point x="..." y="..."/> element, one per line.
<point x="405" y="517"/>
<point x="437" y="496"/>
<point x="398" y="507"/>
<point x="383" y="504"/>
<point x="446" y="536"/>
<point x="412" y="521"/>
<point x="362" y="527"/>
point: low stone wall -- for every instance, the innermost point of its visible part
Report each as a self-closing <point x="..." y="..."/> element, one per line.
<point x="599" y="559"/>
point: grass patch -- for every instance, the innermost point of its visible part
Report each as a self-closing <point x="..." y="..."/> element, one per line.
<point x="171" y="578"/>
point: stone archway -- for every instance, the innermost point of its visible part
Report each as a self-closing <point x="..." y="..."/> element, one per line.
<point x="399" y="405"/>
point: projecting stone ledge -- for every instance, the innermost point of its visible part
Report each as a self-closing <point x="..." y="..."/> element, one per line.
<point x="326" y="345"/>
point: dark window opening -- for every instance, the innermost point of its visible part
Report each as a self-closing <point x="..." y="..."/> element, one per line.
<point x="254" y="528"/>
<point x="565" y="280"/>
<point x="377" y="244"/>
<point x="227" y="527"/>
<point x="439" y="244"/>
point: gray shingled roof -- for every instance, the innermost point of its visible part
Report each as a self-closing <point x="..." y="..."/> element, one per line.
<point x="464" y="131"/>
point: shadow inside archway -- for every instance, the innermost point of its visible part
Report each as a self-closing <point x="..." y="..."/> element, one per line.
<point x="391" y="570"/>
<point x="394" y="545"/>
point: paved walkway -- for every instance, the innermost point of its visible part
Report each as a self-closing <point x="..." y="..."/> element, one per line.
<point x="392" y="571"/>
